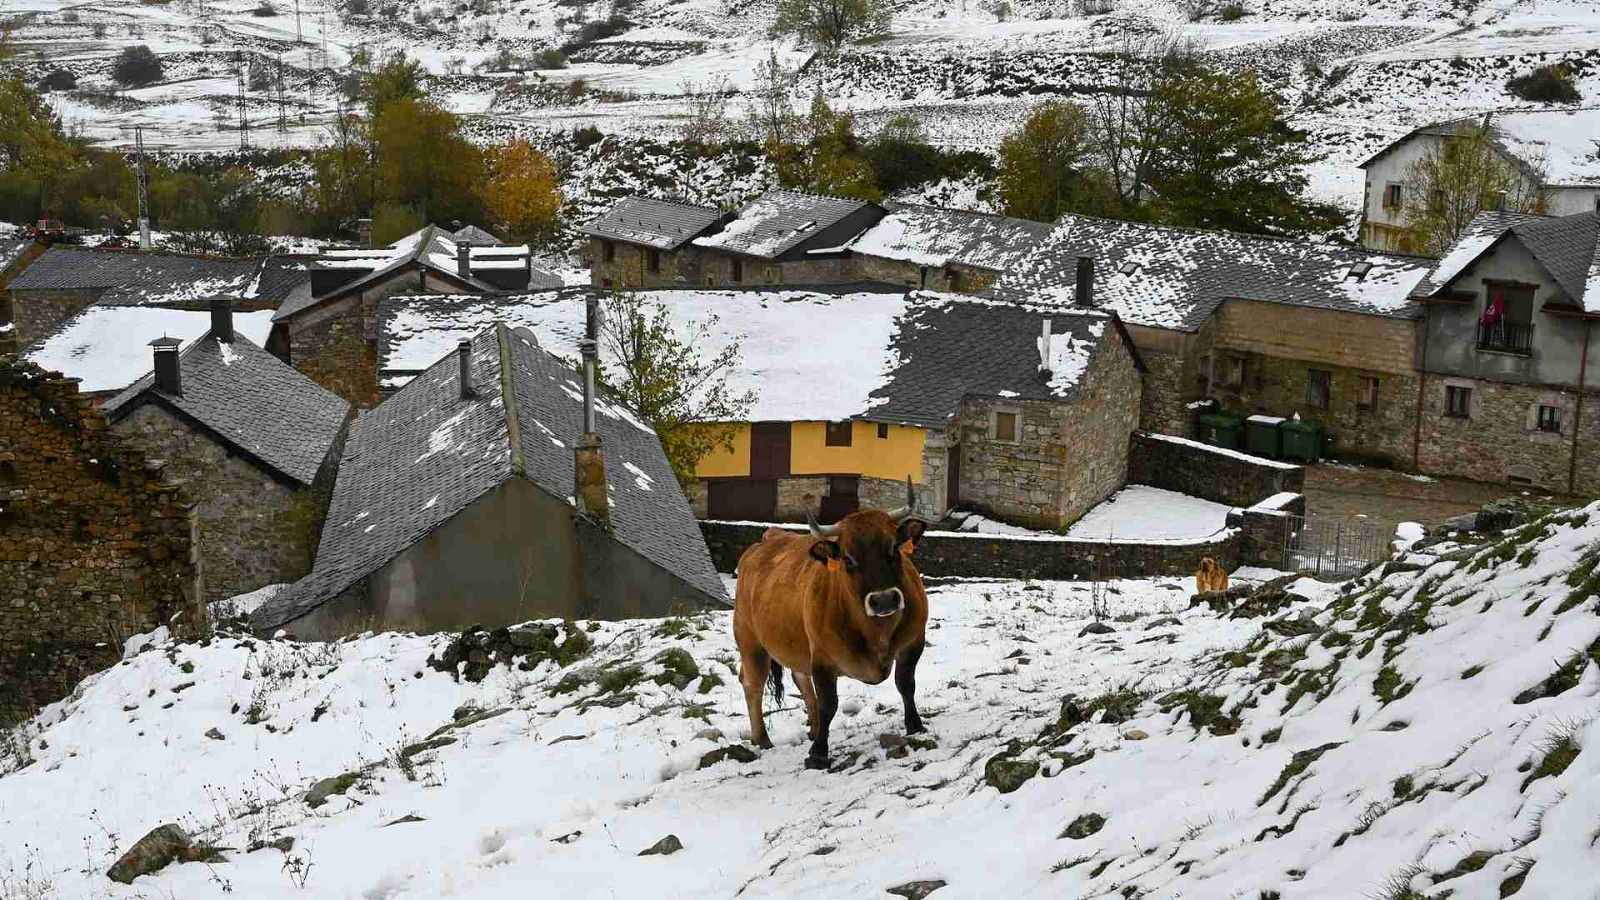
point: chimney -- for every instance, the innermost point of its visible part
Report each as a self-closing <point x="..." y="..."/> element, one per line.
<point x="589" y="469"/>
<point x="166" y="365"/>
<point x="1084" y="295"/>
<point x="464" y="259"/>
<point x="1501" y="205"/>
<point x="222" y="319"/>
<point x="464" y="357"/>
<point x="1044" y="349"/>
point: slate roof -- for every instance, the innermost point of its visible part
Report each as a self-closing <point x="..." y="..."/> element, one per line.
<point x="1564" y="143"/>
<point x="1567" y="246"/>
<point x="477" y="236"/>
<point x="808" y="353"/>
<point x="431" y="247"/>
<point x="1175" y="278"/>
<point x="106" y="347"/>
<point x="250" y="399"/>
<point x="778" y="221"/>
<point x="948" y="347"/>
<point x="147" y="278"/>
<point x="422" y="456"/>
<point x="661" y="224"/>
<point x="11" y="249"/>
<point x="931" y="236"/>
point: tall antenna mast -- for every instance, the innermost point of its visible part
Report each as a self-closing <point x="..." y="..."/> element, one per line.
<point x="144" y="189"/>
<point x="298" y="37"/>
<point x="283" y="121"/>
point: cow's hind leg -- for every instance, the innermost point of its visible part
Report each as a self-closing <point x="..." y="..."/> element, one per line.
<point x="754" y="664"/>
<point x="808" y="692"/>
<point x="827" y="687"/>
<point x="905" y="680"/>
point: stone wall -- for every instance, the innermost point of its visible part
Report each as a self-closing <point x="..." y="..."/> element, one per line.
<point x="944" y="553"/>
<point x="1221" y="476"/>
<point x="256" y="529"/>
<point x="94" y="548"/>
<point x="39" y="314"/>
<point x="629" y="267"/>
<point x="1069" y="455"/>
<point x="956" y="279"/>
<point x="1499" y="441"/>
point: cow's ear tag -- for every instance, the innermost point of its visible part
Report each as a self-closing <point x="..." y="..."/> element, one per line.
<point x="833" y="565"/>
<point x="908" y="548"/>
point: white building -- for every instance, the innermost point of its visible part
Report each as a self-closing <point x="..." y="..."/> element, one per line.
<point x="1564" y="143"/>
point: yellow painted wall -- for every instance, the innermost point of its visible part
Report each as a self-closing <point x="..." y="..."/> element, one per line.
<point x="895" y="456"/>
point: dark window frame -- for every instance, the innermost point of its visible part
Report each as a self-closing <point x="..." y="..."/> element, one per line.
<point x="1392" y="195"/>
<point x="1367" y="392"/>
<point x="1015" y="418"/>
<point x="839" y="434"/>
<point x="608" y="250"/>
<point x="883" y="431"/>
<point x="737" y="275"/>
<point x="1457" y="401"/>
<point x="1548" y="419"/>
<point x="1319" y="389"/>
<point x="652" y="259"/>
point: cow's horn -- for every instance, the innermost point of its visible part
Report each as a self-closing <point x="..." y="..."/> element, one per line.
<point x="911" y="503"/>
<point x="820" y="531"/>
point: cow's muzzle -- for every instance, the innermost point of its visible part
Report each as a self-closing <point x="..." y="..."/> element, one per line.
<point x="886" y="602"/>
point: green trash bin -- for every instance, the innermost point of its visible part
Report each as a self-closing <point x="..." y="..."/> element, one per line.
<point x="1220" y="429"/>
<point x="1262" y="437"/>
<point x="1303" y="440"/>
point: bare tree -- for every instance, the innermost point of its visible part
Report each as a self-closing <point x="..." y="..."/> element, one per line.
<point x="769" y="115"/>
<point x="1130" y="116"/>
<point x="1459" y="176"/>
<point x="706" y="122"/>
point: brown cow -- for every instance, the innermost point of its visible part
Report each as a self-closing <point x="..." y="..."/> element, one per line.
<point x="843" y="600"/>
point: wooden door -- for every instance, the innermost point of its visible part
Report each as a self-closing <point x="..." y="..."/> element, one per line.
<point x="742" y="500"/>
<point x="844" y="498"/>
<point x="769" y="450"/>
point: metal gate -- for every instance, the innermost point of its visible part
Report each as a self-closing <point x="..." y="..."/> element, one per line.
<point x="1332" y="547"/>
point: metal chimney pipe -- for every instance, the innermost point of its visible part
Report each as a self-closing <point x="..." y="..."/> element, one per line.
<point x="464" y="357"/>
<point x="167" y="377"/>
<point x="1044" y="347"/>
<point x="590" y="348"/>
<point x="589" y="465"/>
<point x="1084" y="294"/>
<point x="222" y="319"/>
<point x="464" y="259"/>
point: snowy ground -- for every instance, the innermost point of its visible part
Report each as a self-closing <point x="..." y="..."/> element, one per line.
<point x="1145" y="513"/>
<point x="1431" y="730"/>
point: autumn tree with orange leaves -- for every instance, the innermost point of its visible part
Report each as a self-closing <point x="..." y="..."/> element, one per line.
<point x="523" y="194"/>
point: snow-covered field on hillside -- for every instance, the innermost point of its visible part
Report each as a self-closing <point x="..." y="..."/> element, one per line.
<point x="1430" y="727"/>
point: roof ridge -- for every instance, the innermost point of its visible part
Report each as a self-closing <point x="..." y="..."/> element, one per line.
<point x="793" y="192"/>
<point x="508" y="390"/>
<point x="1225" y="232"/>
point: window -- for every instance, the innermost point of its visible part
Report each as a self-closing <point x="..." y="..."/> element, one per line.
<point x="1319" y="388"/>
<point x="883" y="431"/>
<point x="608" y="251"/>
<point x="1005" y="426"/>
<point x="1506" y="325"/>
<point x="653" y="259"/>
<point x="1458" y="401"/>
<point x="738" y="270"/>
<point x="839" y="434"/>
<point x="1367" y="397"/>
<point x="1549" y="418"/>
<point x="606" y="282"/>
<point x="1391" y="196"/>
<point x="1235" y="371"/>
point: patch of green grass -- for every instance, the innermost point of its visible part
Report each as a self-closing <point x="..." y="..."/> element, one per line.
<point x="696" y="711"/>
<point x="1470" y="672"/>
<point x="678" y="668"/>
<point x="1205" y="711"/>
<point x="1403" y="786"/>
<point x="1271" y="736"/>
<point x="1470" y="863"/>
<point x="617" y="679"/>
<point x="710" y="682"/>
<point x="1388" y="687"/>
<point x="1084" y="826"/>
<point x="1559" y="752"/>
<point x="1297" y="764"/>
<point x="1074" y="862"/>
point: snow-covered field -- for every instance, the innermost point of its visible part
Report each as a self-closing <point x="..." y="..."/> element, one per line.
<point x="1356" y="74"/>
<point x="1431" y="729"/>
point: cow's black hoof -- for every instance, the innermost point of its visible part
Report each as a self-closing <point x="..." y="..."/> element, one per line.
<point x="915" y="727"/>
<point x="818" y="762"/>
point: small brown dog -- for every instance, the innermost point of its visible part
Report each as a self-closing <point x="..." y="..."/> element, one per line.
<point x="1211" y="577"/>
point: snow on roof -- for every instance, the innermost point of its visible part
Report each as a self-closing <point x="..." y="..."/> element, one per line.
<point x="142" y="277"/>
<point x="1568" y="247"/>
<point x="930" y="236"/>
<point x="661" y="224"/>
<point x="1175" y="278"/>
<point x="1567" y="141"/>
<point x="107" y="347"/>
<point x="778" y="221"/>
<point x="808" y="354"/>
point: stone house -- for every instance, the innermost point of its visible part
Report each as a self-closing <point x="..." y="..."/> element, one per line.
<point x="327" y="332"/>
<point x="785" y="237"/>
<point x="798" y="448"/>
<point x="477" y="495"/>
<point x="942" y="249"/>
<point x="94" y="546"/>
<point x="1509" y="364"/>
<point x="642" y="243"/>
<point x="1260" y="325"/>
<point x="15" y="255"/>
<point x="65" y="281"/>
<point x="1032" y="407"/>
<point x="254" y="443"/>
<point x="1554" y="148"/>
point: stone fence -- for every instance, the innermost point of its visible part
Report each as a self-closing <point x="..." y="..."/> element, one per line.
<point x="1212" y="473"/>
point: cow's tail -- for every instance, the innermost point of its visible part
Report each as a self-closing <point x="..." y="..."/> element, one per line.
<point x="777" y="683"/>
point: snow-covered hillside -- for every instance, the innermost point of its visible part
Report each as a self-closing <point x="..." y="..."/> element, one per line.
<point x="1427" y="729"/>
<point x="1358" y="73"/>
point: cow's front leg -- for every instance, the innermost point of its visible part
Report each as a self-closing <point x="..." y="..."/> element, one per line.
<point x="905" y="680"/>
<point x="826" y="684"/>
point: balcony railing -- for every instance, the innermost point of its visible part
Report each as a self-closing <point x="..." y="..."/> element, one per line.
<point x="1505" y="337"/>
